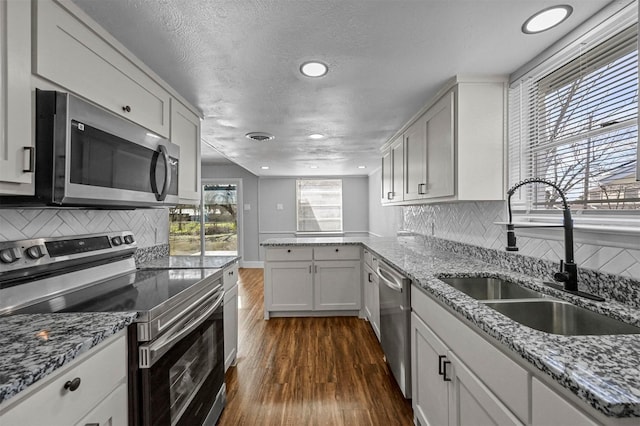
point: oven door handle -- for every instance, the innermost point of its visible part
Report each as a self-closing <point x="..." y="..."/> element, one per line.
<point x="149" y="354"/>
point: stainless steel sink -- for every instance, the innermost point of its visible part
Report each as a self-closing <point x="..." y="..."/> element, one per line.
<point x="490" y="288"/>
<point x="559" y="317"/>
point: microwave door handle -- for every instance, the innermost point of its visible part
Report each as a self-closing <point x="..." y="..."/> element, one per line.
<point x="167" y="173"/>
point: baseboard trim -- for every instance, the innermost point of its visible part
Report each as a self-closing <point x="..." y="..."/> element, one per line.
<point x="252" y="264"/>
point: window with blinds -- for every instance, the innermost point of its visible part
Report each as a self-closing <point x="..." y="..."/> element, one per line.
<point x="577" y="126"/>
<point x="319" y="205"/>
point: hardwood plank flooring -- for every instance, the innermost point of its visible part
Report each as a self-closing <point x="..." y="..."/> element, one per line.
<point x="307" y="371"/>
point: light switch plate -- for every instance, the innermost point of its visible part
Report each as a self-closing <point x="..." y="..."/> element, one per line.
<point x="247" y="207"/>
<point x="279" y="206"/>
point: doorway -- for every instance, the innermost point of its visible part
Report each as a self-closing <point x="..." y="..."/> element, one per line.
<point x="220" y="219"/>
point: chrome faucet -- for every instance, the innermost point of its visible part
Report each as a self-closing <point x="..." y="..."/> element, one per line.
<point x="568" y="274"/>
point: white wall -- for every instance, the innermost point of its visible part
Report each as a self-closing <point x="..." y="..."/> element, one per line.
<point x="250" y="242"/>
<point x="276" y="223"/>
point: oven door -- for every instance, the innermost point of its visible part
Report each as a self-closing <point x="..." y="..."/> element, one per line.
<point x="180" y="385"/>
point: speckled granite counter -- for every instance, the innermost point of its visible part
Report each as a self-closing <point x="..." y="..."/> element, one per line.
<point x="601" y="370"/>
<point x="187" y="262"/>
<point x="34" y="346"/>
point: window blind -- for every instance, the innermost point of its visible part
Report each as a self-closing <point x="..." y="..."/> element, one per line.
<point x="319" y="205"/>
<point x="576" y="126"/>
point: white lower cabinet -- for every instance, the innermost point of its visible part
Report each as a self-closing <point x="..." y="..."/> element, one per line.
<point x="90" y="390"/>
<point x="430" y="392"/>
<point x="312" y="280"/>
<point x="550" y="408"/>
<point x="109" y="412"/>
<point x="230" y="318"/>
<point x="336" y="285"/>
<point x="459" y="378"/>
<point x="371" y="298"/>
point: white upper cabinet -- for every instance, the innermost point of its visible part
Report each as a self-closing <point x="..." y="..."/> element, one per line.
<point x="393" y="172"/>
<point x="17" y="154"/>
<point x="453" y="151"/>
<point x="73" y="55"/>
<point x="185" y="132"/>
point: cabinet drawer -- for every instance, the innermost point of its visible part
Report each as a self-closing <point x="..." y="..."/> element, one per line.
<point x="289" y="253"/>
<point x="72" y="55"/>
<point x="368" y="258"/>
<point x="100" y="372"/>
<point x="230" y="276"/>
<point x="337" y="253"/>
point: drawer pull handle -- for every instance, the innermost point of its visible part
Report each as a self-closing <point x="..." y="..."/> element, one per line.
<point x="72" y="385"/>
<point x="126" y="108"/>
<point x="440" y="359"/>
<point x="444" y="371"/>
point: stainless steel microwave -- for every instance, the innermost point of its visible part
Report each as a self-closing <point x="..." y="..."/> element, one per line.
<point x="87" y="156"/>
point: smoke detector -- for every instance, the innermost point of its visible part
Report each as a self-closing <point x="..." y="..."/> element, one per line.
<point x="260" y="136"/>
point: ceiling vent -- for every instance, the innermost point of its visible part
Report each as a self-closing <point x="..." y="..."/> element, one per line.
<point x="260" y="136"/>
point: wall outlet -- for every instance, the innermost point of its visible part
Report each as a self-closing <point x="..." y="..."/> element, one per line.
<point x="279" y="206"/>
<point x="247" y="207"/>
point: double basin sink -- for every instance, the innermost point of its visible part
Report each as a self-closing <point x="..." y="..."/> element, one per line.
<point x="536" y="310"/>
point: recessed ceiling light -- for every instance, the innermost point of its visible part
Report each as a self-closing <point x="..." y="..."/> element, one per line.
<point x="316" y="136"/>
<point x="362" y="167"/>
<point x="264" y="167"/>
<point x="547" y="19"/>
<point x="313" y="69"/>
<point x="313" y="167"/>
<point x="260" y="136"/>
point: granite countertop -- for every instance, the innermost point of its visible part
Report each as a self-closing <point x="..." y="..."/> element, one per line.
<point x="189" y="262"/>
<point x="601" y="370"/>
<point x="34" y="346"/>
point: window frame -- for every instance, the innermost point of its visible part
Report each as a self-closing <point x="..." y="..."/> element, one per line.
<point x="329" y="232"/>
<point x="592" y="224"/>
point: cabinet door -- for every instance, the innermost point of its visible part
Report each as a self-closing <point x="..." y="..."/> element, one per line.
<point x="387" y="177"/>
<point x="16" y="142"/>
<point x="337" y="285"/>
<point x="230" y="320"/>
<point x="471" y="402"/>
<point x="440" y="148"/>
<point x="430" y="398"/>
<point x="397" y="157"/>
<point x="112" y="411"/>
<point x="185" y="132"/>
<point x="416" y="159"/>
<point x="367" y="290"/>
<point x="549" y="408"/>
<point x="70" y="53"/>
<point x="288" y="286"/>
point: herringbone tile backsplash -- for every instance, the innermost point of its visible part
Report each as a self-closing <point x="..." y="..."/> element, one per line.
<point x="149" y="226"/>
<point x="473" y="223"/>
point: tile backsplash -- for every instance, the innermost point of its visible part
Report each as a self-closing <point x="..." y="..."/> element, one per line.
<point x="149" y="226"/>
<point x="473" y="223"/>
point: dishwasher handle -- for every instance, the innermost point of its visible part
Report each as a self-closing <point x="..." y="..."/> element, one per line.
<point x="389" y="281"/>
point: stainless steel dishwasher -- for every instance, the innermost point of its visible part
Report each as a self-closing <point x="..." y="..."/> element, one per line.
<point x="395" y="317"/>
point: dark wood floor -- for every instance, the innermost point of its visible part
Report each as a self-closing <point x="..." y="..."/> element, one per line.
<point x="307" y="371"/>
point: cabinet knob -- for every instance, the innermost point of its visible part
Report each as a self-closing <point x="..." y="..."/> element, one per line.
<point x="337" y="250"/>
<point x="72" y="385"/>
<point x="126" y="108"/>
<point x="288" y="250"/>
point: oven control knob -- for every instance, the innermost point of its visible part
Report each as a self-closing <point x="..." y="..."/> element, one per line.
<point x="35" y="252"/>
<point x="116" y="241"/>
<point x="10" y="255"/>
<point x="128" y="239"/>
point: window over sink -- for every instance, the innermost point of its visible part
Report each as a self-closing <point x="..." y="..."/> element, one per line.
<point x="573" y="120"/>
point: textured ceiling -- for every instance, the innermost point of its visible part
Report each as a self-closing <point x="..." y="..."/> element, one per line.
<point x="238" y="60"/>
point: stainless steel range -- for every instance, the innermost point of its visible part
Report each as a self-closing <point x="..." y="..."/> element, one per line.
<point x="176" y="352"/>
